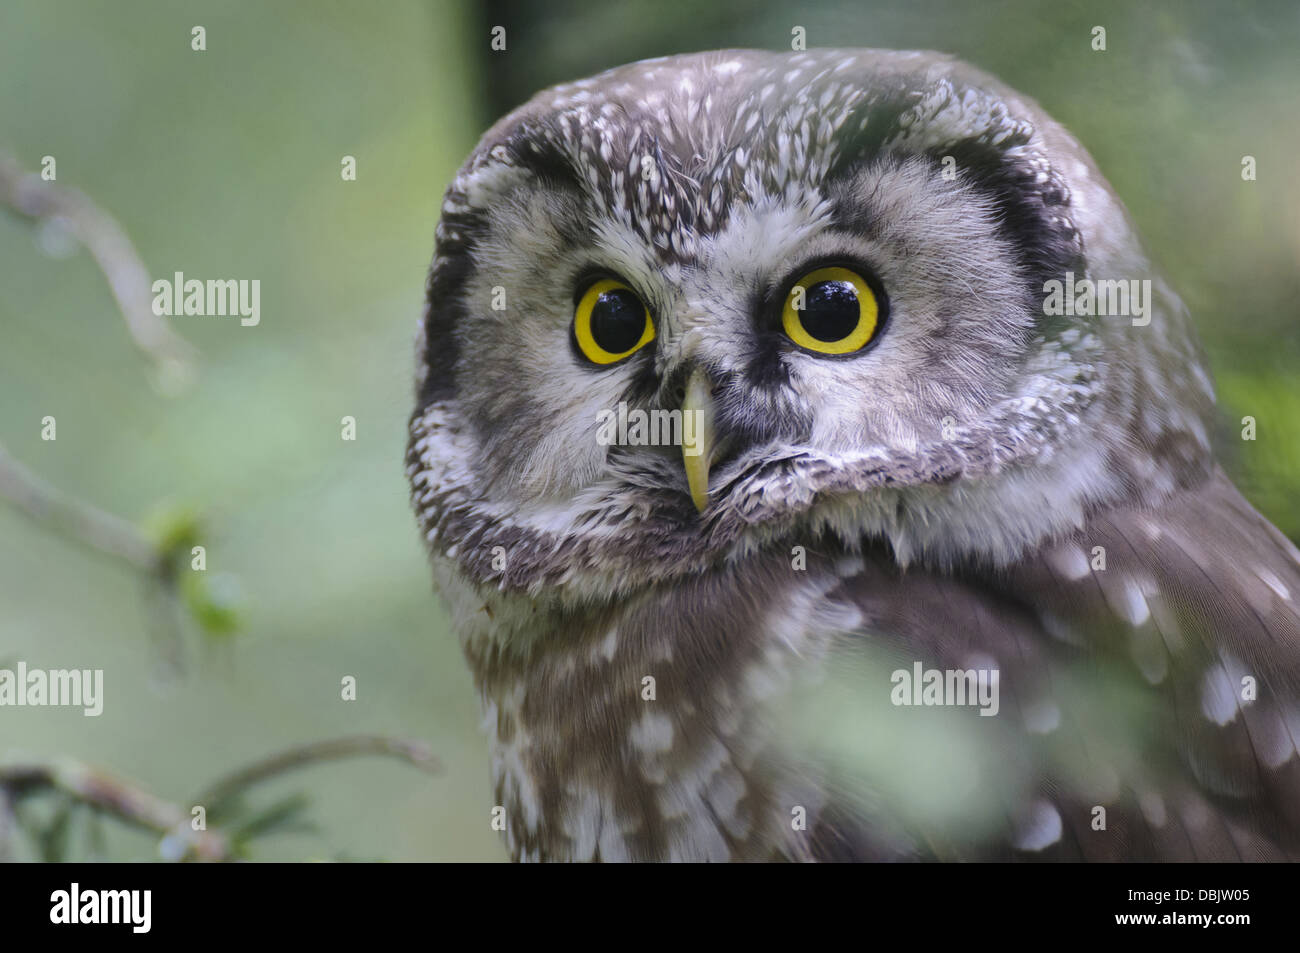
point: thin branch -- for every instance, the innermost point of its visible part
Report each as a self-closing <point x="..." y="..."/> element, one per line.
<point x="74" y="519"/>
<point x="415" y="753"/>
<point x="87" y="525"/>
<point x="135" y="806"/>
<point x="128" y="803"/>
<point x="37" y="200"/>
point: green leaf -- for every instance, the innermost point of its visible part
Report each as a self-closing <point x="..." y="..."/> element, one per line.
<point x="281" y="817"/>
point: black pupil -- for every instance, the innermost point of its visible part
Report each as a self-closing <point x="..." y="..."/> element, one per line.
<point x="830" y="311"/>
<point x="617" y="320"/>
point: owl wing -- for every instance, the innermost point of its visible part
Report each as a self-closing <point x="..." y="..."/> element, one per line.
<point x="1149" y="696"/>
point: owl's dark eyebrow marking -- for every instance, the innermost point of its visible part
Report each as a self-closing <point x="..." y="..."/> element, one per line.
<point x="444" y="311"/>
<point x="533" y="149"/>
<point x="555" y="172"/>
<point x="1034" y="210"/>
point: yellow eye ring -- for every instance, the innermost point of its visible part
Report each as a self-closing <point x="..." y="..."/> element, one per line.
<point x="831" y="311"/>
<point x="611" y="322"/>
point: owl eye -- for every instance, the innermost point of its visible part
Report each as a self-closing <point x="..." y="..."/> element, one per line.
<point x="611" y="322"/>
<point x="831" y="311"/>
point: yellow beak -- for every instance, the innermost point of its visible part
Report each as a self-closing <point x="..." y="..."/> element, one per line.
<point x="698" y="436"/>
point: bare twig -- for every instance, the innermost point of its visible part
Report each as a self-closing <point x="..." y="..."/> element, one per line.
<point x="413" y="752"/>
<point x="128" y="803"/>
<point x="135" y="806"/>
<point x="31" y="197"/>
<point x="35" y="200"/>
<point x="73" y="518"/>
<point x="87" y="525"/>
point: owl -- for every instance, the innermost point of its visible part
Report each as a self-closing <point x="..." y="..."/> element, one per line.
<point x="814" y="467"/>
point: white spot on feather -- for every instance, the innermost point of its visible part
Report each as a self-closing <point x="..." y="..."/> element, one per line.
<point x="1069" y="561"/>
<point x="653" y="733"/>
<point x="1218" y="697"/>
<point x="1042" y="717"/>
<point x="1040" y="829"/>
<point x="1134" y="606"/>
<point x="1153" y="808"/>
<point x="1273" y="583"/>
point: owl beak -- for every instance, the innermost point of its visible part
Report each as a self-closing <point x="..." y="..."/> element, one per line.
<point x="698" y="435"/>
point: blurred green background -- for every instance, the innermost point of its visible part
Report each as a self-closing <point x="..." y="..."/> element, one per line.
<point x="226" y="164"/>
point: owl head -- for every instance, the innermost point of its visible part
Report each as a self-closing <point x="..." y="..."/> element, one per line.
<point x="835" y="267"/>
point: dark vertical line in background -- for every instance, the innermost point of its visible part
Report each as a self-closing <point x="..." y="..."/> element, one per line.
<point x="502" y="68"/>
